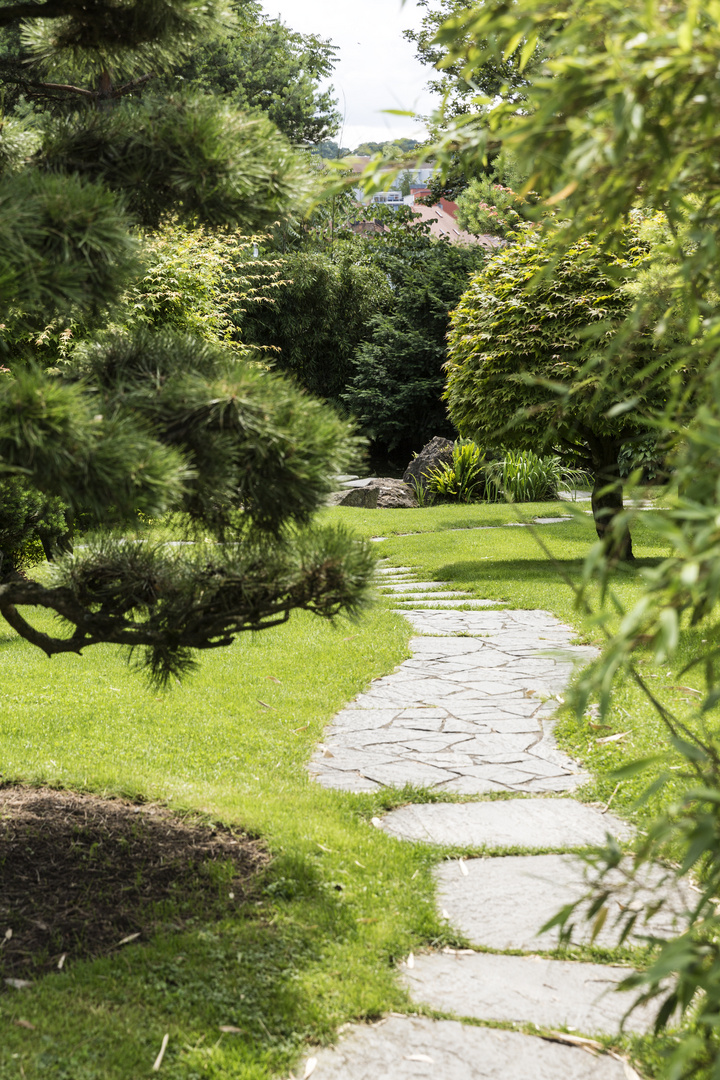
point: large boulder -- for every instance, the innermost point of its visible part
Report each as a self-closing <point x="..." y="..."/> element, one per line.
<point x="434" y="454"/>
<point x="393" y="494"/>
<point x="364" y="497"/>
<point x="382" y="492"/>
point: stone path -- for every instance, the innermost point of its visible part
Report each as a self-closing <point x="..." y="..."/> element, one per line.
<point x="465" y="714"/>
<point x="472" y="712"/>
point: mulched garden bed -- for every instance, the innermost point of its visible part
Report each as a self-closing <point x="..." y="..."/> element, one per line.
<point x="80" y="874"/>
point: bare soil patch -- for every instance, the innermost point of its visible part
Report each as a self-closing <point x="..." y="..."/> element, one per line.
<point x="79" y="874"/>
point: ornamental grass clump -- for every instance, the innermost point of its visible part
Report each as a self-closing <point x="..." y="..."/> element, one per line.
<point x="523" y="476"/>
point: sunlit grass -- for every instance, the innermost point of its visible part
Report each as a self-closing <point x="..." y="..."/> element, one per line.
<point x="341" y="901"/>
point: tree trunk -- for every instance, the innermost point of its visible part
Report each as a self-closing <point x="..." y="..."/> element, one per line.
<point x="607" y="503"/>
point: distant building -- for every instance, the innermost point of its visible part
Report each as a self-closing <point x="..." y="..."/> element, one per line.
<point x="388" y="198"/>
<point x="441" y="219"/>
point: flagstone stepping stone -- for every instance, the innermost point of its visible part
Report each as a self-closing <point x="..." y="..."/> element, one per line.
<point x="527" y="823"/>
<point x="410" y="1048"/>
<point x="471" y="602"/>
<point x="527" y="989"/>
<point x="501" y="903"/>
<point x="411" y="597"/>
<point x="417" y="586"/>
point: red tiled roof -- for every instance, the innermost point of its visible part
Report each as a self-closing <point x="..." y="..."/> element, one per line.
<point x="442" y="224"/>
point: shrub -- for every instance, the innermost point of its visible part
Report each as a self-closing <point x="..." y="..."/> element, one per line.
<point x="30" y="523"/>
<point x="464" y="480"/>
<point x="488" y="207"/>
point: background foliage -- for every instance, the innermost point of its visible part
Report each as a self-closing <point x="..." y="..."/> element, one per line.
<point x="622" y="116"/>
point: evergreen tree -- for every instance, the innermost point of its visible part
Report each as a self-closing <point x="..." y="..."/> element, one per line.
<point x="152" y="421"/>
<point x="396" y="385"/>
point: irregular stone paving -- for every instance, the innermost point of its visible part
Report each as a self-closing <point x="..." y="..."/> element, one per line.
<point x="465" y="714"/>
<point x="408" y="1048"/>
<point x="471" y="712"/>
<point x="506" y="823"/>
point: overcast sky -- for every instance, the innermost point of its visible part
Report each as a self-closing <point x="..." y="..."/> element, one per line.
<point x="377" y="69"/>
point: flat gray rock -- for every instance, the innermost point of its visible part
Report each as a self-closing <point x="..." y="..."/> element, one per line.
<point x="527" y="989"/>
<point x="408" y="596"/>
<point x="407" y="1048"/>
<point x="527" y="823"/>
<point x="471" y="602"/>
<point x="501" y="903"/>
<point x="417" y="586"/>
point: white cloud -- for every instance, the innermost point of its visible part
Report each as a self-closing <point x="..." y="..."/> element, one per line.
<point x="377" y="69"/>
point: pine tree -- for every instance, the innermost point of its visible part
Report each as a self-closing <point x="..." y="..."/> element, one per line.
<point x="142" y="421"/>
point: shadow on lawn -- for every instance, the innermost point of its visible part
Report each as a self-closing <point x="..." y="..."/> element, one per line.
<point x="538" y="570"/>
<point x="226" y="940"/>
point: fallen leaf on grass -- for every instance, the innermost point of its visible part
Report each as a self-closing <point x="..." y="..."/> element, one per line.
<point x="265" y="705"/>
<point x="303" y="728"/>
<point x="161" y="1055"/>
<point x="309" y="1068"/>
<point x="591" y="1045"/>
<point x="362" y="867"/>
<point x="351" y="638"/>
<point x="18" y="984"/>
<point x="323" y="848"/>
<point x="8" y="934"/>
<point x="419" y="1057"/>
<point x="686" y="690"/>
<point x="128" y="939"/>
<point x="228" y="1029"/>
<point x="273" y="679"/>
<point x="24" y="1024"/>
<point x="61" y="961"/>
<point x="612" y="738"/>
<point x="634" y="905"/>
<point x="366" y="920"/>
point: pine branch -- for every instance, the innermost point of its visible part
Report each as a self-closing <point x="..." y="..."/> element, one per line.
<point x="168" y="605"/>
<point x="50" y="10"/>
<point x="67" y="88"/>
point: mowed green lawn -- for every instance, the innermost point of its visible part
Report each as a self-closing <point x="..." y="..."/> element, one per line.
<point x="341" y="902"/>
